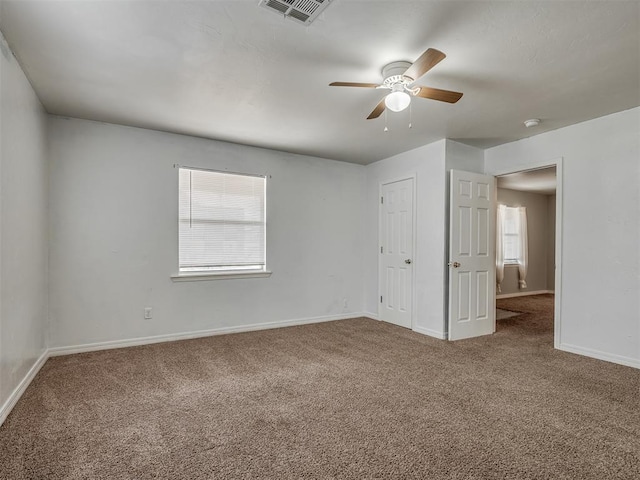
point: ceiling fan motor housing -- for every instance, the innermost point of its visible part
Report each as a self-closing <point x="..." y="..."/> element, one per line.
<point x="394" y="73"/>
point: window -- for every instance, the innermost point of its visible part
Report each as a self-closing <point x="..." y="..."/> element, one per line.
<point x="512" y="245"/>
<point x="221" y="222"/>
<point x="511" y="235"/>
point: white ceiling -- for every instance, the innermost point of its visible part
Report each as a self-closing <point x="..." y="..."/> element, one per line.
<point x="542" y="180"/>
<point x="233" y="71"/>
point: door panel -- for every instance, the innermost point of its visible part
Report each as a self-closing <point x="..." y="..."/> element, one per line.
<point x="482" y="300"/>
<point x="464" y="296"/>
<point x="465" y="231"/>
<point x="389" y="293"/>
<point x="396" y="251"/>
<point x="471" y="255"/>
<point x="483" y="232"/>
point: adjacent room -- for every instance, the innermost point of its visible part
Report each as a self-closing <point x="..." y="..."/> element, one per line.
<point x="283" y="239"/>
<point x="526" y="242"/>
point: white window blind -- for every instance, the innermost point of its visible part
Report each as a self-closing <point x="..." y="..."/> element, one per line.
<point x="511" y="235"/>
<point x="221" y="221"/>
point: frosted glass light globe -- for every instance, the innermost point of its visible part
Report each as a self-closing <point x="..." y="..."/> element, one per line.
<point x="397" y="101"/>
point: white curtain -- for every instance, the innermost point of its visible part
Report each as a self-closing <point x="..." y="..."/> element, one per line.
<point x="523" y="259"/>
<point x="500" y="247"/>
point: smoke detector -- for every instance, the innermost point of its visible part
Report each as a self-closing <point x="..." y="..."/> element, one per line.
<point x="533" y="122"/>
<point x="301" y="11"/>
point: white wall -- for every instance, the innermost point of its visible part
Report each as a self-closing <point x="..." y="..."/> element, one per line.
<point x="114" y="236"/>
<point x="23" y="228"/>
<point x="428" y="164"/>
<point x="601" y="240"/>
<point x="464" y="157"/>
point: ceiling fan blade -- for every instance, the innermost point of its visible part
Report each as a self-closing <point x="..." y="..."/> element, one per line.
<point x="377" y="111"/>
<point x="354" y="84"/>
<point x="426" y="62"/>
<point x="437" y="94"/>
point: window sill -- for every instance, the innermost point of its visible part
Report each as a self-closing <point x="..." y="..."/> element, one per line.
<point x="203" y="276"/>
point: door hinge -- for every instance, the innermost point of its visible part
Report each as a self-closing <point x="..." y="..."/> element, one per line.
<point x="381" y="199"/>
<point x="380" y="298"/>
<point x="381" y="249"/>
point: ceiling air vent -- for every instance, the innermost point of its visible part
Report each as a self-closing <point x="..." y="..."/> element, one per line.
<point x="301" y="11"/>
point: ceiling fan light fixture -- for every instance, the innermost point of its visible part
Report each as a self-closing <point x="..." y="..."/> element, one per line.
<point x="397" y="101"/>
<point x="399" y="77"/>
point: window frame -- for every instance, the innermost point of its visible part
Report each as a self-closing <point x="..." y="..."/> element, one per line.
<point x="216" y="274"/>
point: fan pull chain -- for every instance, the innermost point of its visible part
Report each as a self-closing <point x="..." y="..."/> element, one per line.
<point x="386" y="129"/>
<point x="410" y="117"/>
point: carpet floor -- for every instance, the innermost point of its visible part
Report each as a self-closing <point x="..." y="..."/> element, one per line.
<point x="353" y="399"/>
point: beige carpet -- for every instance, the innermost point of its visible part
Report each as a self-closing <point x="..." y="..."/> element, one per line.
<point x="353" y="399"/>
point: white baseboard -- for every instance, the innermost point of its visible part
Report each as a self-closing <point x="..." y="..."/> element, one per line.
<point x="5" y="410"/>
<point x="132" y="342"/>
<point x="607" y="357"/>
<point x="430" y="332"/>
<point x="523" y="294"/>
<point x="373" y="316"/>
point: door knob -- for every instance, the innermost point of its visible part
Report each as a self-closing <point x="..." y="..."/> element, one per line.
<point x="454" y="264"/>
<point x="408" y="261"/>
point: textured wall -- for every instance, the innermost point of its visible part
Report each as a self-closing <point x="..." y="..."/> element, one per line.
<point x="114" y="207"/>
<point x="23" y="225"/>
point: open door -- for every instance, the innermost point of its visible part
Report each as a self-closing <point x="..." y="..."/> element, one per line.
<point x="472" y="272"/>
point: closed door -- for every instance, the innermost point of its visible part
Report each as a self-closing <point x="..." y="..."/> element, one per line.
<point x="396" y="252"/>
<point x="472" y="271"/>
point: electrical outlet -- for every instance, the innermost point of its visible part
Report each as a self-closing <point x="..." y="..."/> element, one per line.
<point x="345" y="303"/>
<point x="147" y="313"/>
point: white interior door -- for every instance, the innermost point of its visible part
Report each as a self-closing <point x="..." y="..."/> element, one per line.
<point x="396" y="252"/>
<point x="471" y="255"/>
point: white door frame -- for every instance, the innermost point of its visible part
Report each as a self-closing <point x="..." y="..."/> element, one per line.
<point x="414" y="177"/>
<point x="557" y="162"/>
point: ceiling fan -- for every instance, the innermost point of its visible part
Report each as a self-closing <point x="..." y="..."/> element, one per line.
<point x="399" y="78"/>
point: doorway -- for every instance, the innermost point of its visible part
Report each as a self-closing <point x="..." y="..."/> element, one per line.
<point x="528" y="224"/>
